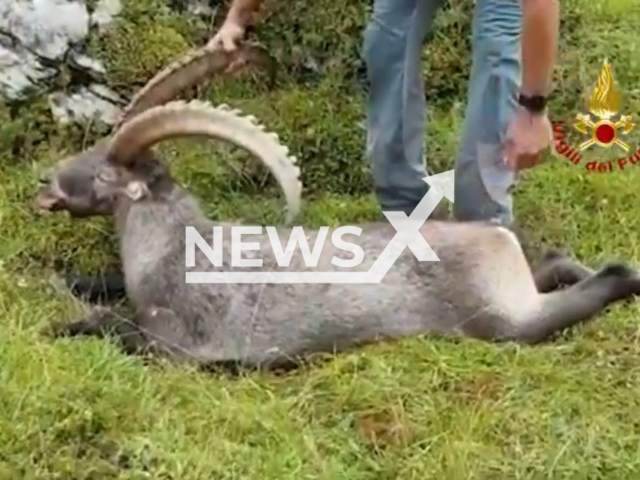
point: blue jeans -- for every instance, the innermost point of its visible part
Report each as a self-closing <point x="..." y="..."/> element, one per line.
<point x="396" y="106"/>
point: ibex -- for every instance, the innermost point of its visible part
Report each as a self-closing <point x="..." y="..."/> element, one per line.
<point x="482" y="287"/>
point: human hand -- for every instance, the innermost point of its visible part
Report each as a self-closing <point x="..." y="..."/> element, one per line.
<point x="527" y="136"/>
<point x="227" y="38"/>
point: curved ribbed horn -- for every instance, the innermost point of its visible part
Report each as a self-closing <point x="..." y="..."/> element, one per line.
<point x="196" y="118"/>
<point x="190" y="70"/>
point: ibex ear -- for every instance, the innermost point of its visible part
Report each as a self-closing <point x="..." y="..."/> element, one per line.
<point x="136" y="189"/>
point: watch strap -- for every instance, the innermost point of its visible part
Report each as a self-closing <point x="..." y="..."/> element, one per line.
<point x="533" y="103"/>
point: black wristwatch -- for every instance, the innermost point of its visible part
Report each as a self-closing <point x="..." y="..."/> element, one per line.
<point x="534" y="103"/>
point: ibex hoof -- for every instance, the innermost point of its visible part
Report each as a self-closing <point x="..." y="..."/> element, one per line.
<point x="618" y="270"/>
<point x="626" y="281"/>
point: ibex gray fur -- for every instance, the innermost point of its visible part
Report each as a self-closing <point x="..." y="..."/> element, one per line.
<point x="482" y="287"/>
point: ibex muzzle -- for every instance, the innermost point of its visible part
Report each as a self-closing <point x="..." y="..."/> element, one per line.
<point x="482" y="287"/>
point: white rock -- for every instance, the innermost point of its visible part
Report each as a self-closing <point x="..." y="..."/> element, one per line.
<point x="199" y="7"/>
<point x="105" y="11"/>
<point x="87" y="63"/>
<point x="46" y="27"/>
<point x="89" y="104"/>
<point x="36" y="35"/>
<point x="20" y="71"/>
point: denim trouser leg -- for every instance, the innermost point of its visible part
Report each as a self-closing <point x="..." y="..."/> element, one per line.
<point x="396" y="104"/>
<point x="482" y="183"/>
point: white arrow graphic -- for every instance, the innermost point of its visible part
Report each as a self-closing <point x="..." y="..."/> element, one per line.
<point x="407" y="235"/>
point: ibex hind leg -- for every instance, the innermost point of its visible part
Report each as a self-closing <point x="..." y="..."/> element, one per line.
<point x="578" y="303"/>
<point x="103" y="322"/>
<point x="156" y="331"/>
<point x="99" y="288"/>
<point x="169" y="336"/>
<point x="556" y="270"/>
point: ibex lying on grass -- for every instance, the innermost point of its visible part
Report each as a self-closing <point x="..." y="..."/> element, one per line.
<point x="482" y="287"/>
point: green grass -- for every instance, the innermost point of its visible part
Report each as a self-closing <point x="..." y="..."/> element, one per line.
<point x="418" y="408"/>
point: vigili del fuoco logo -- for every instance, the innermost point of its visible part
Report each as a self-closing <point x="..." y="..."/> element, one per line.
<point x="602" y="133"/>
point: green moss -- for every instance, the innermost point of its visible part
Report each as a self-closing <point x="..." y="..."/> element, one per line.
<point x="134" y="52"/>
<point x="327" y="31"/>
<point x="28" y="128"/>
<point x="446" y="57"/>
<point x="145" y="37"/>
<point x="7" y="133"/>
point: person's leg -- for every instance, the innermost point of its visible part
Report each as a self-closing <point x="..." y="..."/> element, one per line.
<point x="396" y="105"/>
<point x="482" y="183"/>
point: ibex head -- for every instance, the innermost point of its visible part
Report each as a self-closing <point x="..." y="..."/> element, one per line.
<point x="89" y="183"/>
<point x="71" y="186"/>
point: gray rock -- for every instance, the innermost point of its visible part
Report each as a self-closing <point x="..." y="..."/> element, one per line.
<point x="89" y="104"/>
<point x="45" y="27"/>
<point x="84" y="62"/>
<point x="37" y="37"/>
<point x="21" y="73"/>
<point x="195" y="7"/>
<point x="199" y="7"/>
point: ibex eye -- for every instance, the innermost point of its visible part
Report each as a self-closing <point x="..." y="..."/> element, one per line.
<point x="105" y="176"/>
<point x="46" y="176"/>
